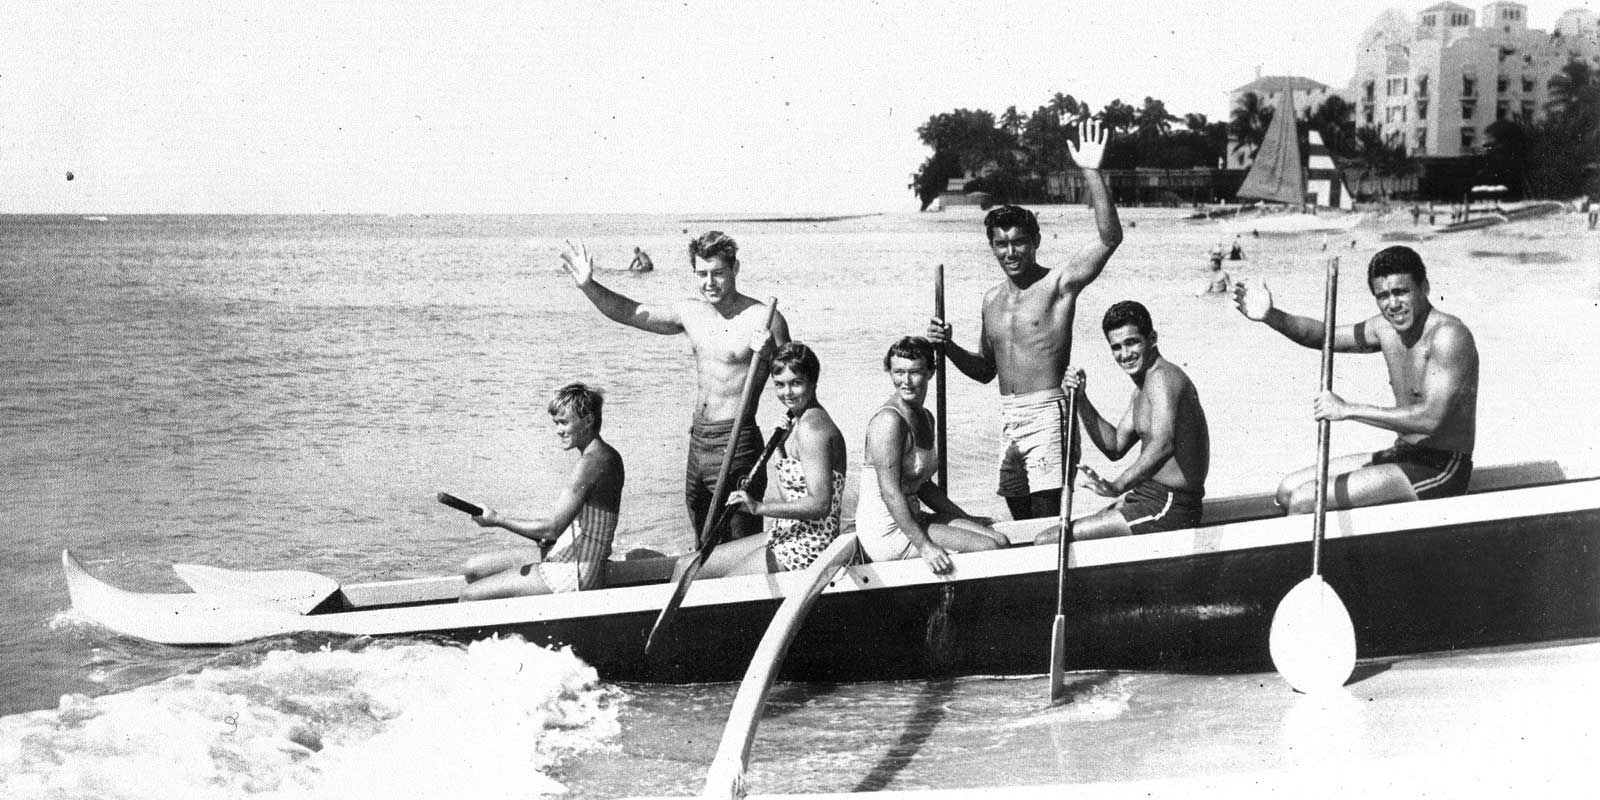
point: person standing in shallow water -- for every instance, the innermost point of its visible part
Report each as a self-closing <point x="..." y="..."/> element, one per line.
<point x="1026" y="338"/>
<point x="720" y="325"/>
<point x="1433" y="370"/>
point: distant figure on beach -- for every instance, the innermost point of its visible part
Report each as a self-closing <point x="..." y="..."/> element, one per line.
<point x="641" y="261"/>
<point x="902" y="457"/>
<point x="810" y="464"/>
<point x="1433" y="214"/>
<point x="1220" y="282"/>
<point x="721" y="325"/>
<point x="1416" y="214"/>
<point x="1594" y="212"/>
<point x="1162" y="489"/>
<point x="581" y="523"/>
<point x="1433" y="369"/>
<point x="1026" y="337"/>
<point x="1236" y="253"/>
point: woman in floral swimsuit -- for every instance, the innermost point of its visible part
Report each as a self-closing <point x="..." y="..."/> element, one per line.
<point x="810" y="467"/>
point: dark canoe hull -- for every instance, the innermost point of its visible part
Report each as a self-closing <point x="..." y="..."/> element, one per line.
<point x="1501" y="582"/>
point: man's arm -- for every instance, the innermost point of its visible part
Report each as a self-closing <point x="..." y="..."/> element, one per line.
<point x="979" y="365"/>
<point x="586" y="474"/>
<point x="579" y="264"/>
<point x="1087" y="263"/>
<point x="1108" y="438"/>
<point x="1452" y="361"/>
<point x="1158" y="444"/>
<point x="1256" y="305"/>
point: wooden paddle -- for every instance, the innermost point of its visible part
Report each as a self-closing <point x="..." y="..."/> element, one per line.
<point x="939" y="437"/>
<point x="714" y="516"/>
<point x="1312" y="641"/>
<point x="1058" y="634"/>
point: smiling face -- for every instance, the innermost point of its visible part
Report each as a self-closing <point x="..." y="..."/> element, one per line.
<point x="910" y="377"/>
<point x="1132" y="349"/>
<point x="1015" y="249"/>
<point x="718" y="278"/>
<point x="793" y="390"/>
<point x="573" y="431"/>
<point x="1401" y="300"/>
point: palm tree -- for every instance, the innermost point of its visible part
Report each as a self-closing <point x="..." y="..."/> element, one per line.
<point x="1117" y="116"/>
<point x="1068" y="107"/>
<point x="1248" y="125"/>
<point x="1152" y="119"/>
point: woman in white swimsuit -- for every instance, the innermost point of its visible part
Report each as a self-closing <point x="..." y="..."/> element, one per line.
<point x="902" y="456"/>
<point x="581" y="524"/>
<point x="812" y="454"/>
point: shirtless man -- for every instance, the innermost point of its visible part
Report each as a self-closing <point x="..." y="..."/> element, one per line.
<point x="1165" y="484"/>
<point x="721" y="325"/>
<point x="1027" y="335"/>
<point x="1433" y="370"/>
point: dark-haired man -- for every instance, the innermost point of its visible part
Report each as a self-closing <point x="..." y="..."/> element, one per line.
<point x="721" y="325"/>
<point x="1162" y="489"/>
<point x="1433" y="369"/>
<point x="1026" y="339"/>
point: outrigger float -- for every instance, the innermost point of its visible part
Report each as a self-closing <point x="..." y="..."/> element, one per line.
<point x="1515" y="561"/>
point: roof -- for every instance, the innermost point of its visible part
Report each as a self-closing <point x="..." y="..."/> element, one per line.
<point x="1273" y="83"/>
<point x="1446" y="7"/>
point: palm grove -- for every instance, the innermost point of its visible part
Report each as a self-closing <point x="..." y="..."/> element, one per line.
<point x="1011" y="154"/>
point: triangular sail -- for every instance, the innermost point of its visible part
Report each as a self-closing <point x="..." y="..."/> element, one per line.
<point x="1277" y="173"/>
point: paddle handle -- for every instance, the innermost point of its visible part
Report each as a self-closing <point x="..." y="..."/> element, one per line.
<point x="460" y="505"/>
<point x="941" y="438"/>
<point x="747" y="401"/>
<point x="1324" y="427"/>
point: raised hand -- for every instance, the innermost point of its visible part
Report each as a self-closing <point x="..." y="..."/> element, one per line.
<point x="1254" y="304"/>
<point x="1091" y="147"/>
<point x="578" y="263"/>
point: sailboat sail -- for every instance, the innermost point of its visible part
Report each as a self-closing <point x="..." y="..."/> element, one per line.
<point x="1277" y="174"/>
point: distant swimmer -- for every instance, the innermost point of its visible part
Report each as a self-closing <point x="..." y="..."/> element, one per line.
<point x="641" y="261"/>
<point x="1236" y="253"/>
<point x="1026" y="338"/>
<point x="1433" y="369"/>
<point x="69" y="175"/>
<point x="1220" y="280"/>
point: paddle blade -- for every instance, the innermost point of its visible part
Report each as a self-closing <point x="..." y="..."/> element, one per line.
<point x="1313" y="642"/>
<point x="664" y="619"/>
<point x="1058" y="660"/>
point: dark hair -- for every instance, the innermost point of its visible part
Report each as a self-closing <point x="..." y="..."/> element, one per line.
<point x="1396" y="260"/>
<point x="1127" y="312"/>
<point x="713" y="244"/>
<point x="580" y="400"/>
<point x="1009" y="216"/>
<point x="911" y="348"/>
<point x="799" y="359"/>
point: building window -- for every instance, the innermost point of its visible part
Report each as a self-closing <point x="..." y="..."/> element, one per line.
<point x="1428" y="20"/>
<point x="1422" y="109"/>
<point x="1467" y="107"/>
<point x="1369" y="88"/>
<point x="1527" y="111"/>
<point x="1502" y="109"/>
<point x="1527" y="85"/>
<point x="1396" y="87"/>
<point x="1469" y="86"/>
<point x="1502" y="84"/>
<point x="1468" y="135"/>
<point x="1459" y="19"/>
<point x="1422" y="140"/>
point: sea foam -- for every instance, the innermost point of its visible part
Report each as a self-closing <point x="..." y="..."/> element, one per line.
<point x="387" y="720"/>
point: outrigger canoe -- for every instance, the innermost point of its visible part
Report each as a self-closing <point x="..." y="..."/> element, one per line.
<point x="1515" y="561"/>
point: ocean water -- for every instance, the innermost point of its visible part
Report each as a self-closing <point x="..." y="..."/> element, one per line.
<point x="289" y="392"/>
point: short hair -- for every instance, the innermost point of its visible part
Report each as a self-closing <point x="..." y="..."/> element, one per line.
<point x="1396" y="260"/>
<point x="911" y="348"/>
<point x="1127" y="312"/>
<point x="713" y="244"/>
<point x="579" y="399"/>
<point x="1009" y="216"/>
<point x="799" y="359"/>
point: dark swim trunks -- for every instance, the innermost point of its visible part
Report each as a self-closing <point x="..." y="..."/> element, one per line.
<point x="708" y="441"/>
<point x="1433" y="473"/>
<point x="1153" y="506"/>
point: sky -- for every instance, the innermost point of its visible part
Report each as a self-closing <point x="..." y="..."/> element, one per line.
<point x="555" y="107"/>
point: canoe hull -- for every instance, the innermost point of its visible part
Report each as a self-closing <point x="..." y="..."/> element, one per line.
<point x="1502" y="568"/>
